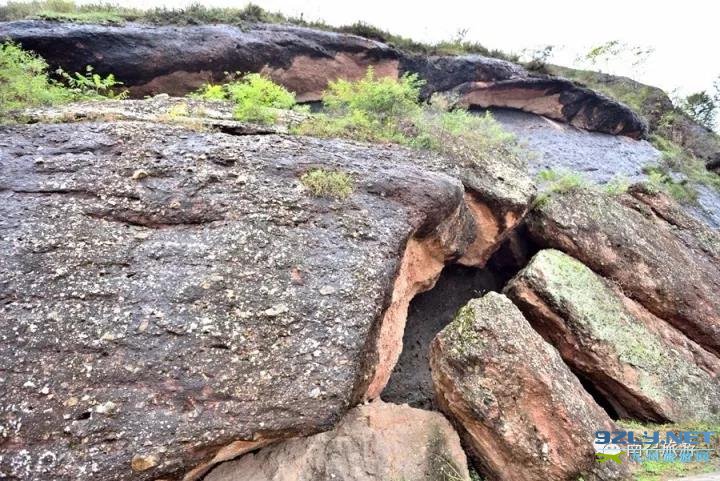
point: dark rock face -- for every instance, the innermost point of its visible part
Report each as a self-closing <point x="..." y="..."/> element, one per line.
<point x="374" y="442"/>
<point x="641" y="365"/>
<point x="523" y="413"/>
<point x="673" y="272"/>
<point x="172" y="298"/>
<point x="176" y="60"/>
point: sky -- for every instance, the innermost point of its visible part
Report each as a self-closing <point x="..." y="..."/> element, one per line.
<point x="684" y="35"/>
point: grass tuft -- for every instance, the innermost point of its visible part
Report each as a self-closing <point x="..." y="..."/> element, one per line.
<point x="328" y="183"/>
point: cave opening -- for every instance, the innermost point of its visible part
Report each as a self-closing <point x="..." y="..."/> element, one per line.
<point x="431" y="311"/>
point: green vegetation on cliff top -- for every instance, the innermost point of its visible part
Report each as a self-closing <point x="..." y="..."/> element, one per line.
<point x="196" y="14"/>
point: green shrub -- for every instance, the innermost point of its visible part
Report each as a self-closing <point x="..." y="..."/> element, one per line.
<point x="389" y="110"/>
<point x="91" y="85"/>
<point x="328" y="183"/>
<point x="379" y="99"/>
<point x="369" y="109"/>
<point x="24" y="81"/>
<point x="210" y="92"/>
<point x="258" y="98"/>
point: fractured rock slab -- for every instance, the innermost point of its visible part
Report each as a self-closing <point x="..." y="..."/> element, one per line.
<point x="672" y="272"/>
<point x="641" y="365"/>
<point x="524" y="415"/>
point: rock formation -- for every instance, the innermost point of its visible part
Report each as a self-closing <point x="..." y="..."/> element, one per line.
<point x="134" y="256"/>
<point x="642" y="366"/>
<point x="673" y="276"/>
<point x="376" y="441"/>
<point x="173" y="297"/>
<point x="656" y="107"/>
<point x="176" y="60"/>
<point x="523" y="413"/>
<point x="555" y="98"/>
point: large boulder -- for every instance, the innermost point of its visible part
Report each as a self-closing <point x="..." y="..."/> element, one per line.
<point x="176" y="60"/>
<point x="374" y="442"/>
<point x="642" y="366"/>
<point x="522" y="413"/>
<point x="172" y="298"/>
<point x="673" y="272"/>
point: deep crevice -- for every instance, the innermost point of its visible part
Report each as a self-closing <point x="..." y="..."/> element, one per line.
<point x="600" y="399"/>
<point x="431" y="311"/>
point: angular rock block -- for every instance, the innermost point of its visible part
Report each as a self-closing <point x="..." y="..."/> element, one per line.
<point x="374" y="442"/>
<point x="642" y="366"/>
<point x="521" y="411"/>
<point x="673" y="271"/>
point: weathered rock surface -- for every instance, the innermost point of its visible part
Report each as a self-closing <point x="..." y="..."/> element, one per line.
<point x="599" y="157"/>
<point x="558" y="99"/>
<point x="524" y="415"/>
<point x="173" y="298"/>
<point x="642" y="366"/>
<point x="374" y="442"/>
<point x="675" y="274"/>
<point x="176" y="60"/>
